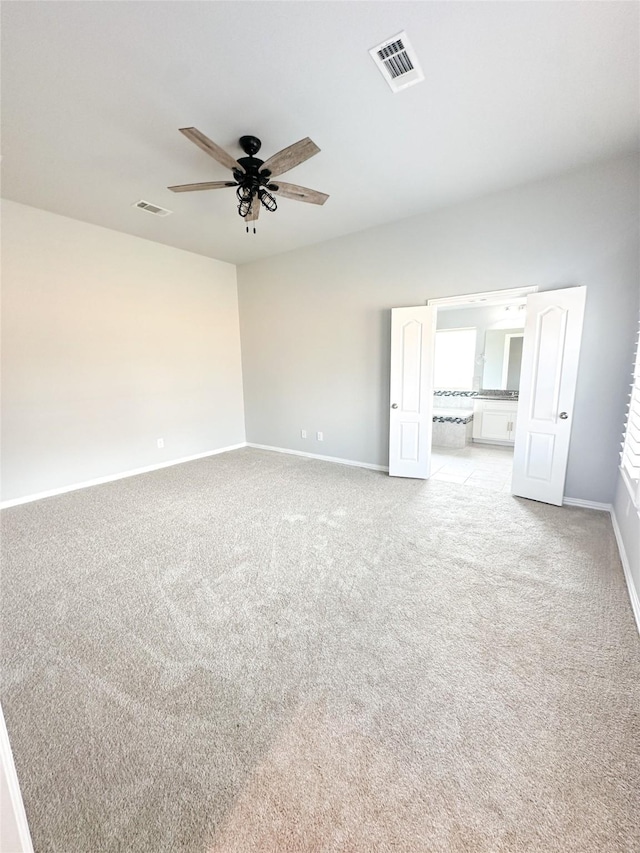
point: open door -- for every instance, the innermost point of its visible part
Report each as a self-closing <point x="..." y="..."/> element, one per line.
<point x="551" y="350"/>
<point x="411" y="419"/>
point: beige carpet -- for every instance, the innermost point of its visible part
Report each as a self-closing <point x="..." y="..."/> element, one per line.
<point x="257" y="652"/>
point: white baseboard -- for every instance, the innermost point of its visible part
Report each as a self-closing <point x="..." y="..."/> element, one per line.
<point x="351" y="462"/>
<point x="626" y="568"/>
<point x="98" y="481"/>
<point x="587" y="504"/>
<point x="14" y="829"/>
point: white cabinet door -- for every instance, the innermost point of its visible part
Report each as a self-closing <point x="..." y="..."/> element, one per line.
<point x="413" y="333"/>
<point x="496" y="424"/>
<point x="552" y="336"/>
<point x="494" y="420"/>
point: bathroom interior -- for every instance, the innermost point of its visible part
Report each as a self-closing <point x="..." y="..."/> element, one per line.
<point x="477" y="366"/>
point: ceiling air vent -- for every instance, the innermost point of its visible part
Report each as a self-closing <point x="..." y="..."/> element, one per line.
<point x="152" y="208"/>
<point x="397" y="62"/>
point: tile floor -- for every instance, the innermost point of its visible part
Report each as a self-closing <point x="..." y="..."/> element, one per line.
<point x="481" y="466"/>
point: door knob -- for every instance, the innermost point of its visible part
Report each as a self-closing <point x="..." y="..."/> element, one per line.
<point x="394" y="405"/>
<point x="563" y="416"/>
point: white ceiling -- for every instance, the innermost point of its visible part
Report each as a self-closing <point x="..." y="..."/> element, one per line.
<point x="93" y="94"/>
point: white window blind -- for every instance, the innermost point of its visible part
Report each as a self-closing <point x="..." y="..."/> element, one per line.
<point x="630" y="456"/>
<point x="454" y="359"/>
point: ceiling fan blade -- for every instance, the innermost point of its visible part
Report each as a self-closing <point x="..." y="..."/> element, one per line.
<point x="291" y="156"/>
<point x="254" y="210"/>
<point x="211" y="148"/>
<point x="298" y="193"/>
<point x="207" y="185"/>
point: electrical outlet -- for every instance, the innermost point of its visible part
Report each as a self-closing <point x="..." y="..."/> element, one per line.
<point x="303" y="433"/>
<point x="320" y="436"/>
<point x="160" y="442"/>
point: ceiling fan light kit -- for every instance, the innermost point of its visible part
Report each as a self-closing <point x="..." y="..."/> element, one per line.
<point x="252" y="176"/>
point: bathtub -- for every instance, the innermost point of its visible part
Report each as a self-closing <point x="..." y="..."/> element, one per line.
<point x="452" y="427"/>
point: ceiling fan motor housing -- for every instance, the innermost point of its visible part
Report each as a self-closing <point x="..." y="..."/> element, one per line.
<point x="252" y="176"/>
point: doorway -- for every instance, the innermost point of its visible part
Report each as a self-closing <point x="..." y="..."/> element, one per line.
<point x="477" y="364"/>
<point x="540" y="421"/>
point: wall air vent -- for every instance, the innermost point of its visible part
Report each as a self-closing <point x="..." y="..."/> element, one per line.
<point x="397" y="62"/>
<point x="152" y="208"/>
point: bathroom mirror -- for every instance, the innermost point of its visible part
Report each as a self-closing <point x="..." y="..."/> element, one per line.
<point x="502" y="359"/>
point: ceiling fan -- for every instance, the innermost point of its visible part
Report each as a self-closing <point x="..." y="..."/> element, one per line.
<point x="253" y="177"/>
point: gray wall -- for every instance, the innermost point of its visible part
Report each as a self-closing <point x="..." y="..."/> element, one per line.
<point x="315" y="322"/>
<point x="110" y="342"/>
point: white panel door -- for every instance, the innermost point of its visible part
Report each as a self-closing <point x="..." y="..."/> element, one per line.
<point x="413" y="334"/>
<point x="551" y="350"/>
